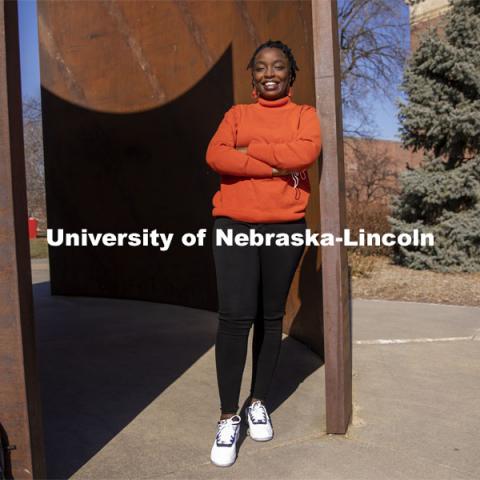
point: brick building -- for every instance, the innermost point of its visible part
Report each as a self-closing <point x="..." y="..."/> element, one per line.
<point x="423" y="15"/>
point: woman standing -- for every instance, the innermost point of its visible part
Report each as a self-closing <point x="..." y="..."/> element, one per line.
<point x="262" y="151"/>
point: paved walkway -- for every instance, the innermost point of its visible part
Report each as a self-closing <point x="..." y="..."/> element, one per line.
<point x="129" y="391"/>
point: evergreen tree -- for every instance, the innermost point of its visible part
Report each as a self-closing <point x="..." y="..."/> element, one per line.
<point x="442" y="116"/>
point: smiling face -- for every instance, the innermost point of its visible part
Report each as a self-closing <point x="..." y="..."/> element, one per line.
<point x="271" y="73"/>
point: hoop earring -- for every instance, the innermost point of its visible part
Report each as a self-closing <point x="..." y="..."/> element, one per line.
<point x="254" y="93"/>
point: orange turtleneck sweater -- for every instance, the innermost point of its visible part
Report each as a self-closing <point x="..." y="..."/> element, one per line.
<point x="278" y="133"/>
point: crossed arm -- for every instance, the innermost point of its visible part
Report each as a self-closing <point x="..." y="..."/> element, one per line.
<point x="261" y="159"/>
<point x="276" y="172"/>
<point x="225" y="159"/>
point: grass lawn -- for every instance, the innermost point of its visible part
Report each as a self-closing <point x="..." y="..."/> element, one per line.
<point x="38" y="248"/>
<point x="376" y="277"/>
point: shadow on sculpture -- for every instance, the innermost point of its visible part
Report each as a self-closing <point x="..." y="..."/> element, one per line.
<point x="128" y="172"/>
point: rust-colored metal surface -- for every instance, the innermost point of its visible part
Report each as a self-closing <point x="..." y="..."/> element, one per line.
<point x="129" y="108"/>
<point x="132" y="93"/>
<point x="336" y="290"/>
<point x="20" y="422"/>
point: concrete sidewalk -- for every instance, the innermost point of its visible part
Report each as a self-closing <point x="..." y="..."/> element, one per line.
<point x="129" y="391"/>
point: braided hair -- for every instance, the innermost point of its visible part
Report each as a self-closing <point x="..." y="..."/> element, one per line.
<point x="284" y="48"/>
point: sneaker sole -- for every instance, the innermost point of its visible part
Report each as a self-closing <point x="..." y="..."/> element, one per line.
<point x="223" y="464"/>
<point x="258" y="439"/>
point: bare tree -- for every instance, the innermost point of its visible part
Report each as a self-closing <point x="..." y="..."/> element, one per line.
<point x="34" y="166"/>
<point x="372" y="176"/>
<point x="373" y="53"/>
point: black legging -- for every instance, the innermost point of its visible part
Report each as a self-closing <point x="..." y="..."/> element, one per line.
<point x="253" y="284"/>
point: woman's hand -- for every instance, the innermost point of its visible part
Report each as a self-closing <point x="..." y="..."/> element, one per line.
<point x="275" y="171"/>
<point x="279" y="172"/>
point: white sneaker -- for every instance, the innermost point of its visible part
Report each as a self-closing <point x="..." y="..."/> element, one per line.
<point x="259" y="423"/>
<point x="224" y="450"/>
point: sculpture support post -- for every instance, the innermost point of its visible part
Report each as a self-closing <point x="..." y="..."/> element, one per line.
<point x="335" y="275"/>
<point x="20" y="419"/>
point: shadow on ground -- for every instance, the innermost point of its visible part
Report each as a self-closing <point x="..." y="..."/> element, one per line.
<point x="103" y="361"/>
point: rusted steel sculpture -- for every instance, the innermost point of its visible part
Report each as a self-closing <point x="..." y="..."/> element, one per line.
<point x="20" y="416"/>
<point x="131" y="94"/>
<point x="336" y="277"/>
